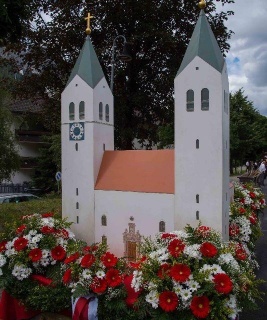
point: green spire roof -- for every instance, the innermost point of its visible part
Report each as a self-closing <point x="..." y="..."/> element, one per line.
<point x="204" y="45"/>
<point x="87" y="65"/>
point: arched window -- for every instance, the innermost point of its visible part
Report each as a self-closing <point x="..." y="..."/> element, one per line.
<point x="205" y="99"/>
<point x="162" y="226"/>
<point x="104" y="240"/>
<point x="107" y="112"/>
<point x="104" y="220"/>
<point x="81" y="110"/>
<point x="197" y="144"/>
<point x="197" y="215"/>
<point x="76" y="146"/>
<point x="71" y="111"/>
<point x="100" y="111"/>
<point x="190" y="100"/>
<point x="77" y="205"/>
<point x="197" y="198"/>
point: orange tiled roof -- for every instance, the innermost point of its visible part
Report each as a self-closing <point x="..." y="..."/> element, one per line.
<point x="149" y="171"/>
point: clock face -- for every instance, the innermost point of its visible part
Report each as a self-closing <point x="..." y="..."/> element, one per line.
<point x="77" y="131"/>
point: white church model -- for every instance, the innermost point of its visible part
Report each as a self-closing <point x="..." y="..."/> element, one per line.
<point x="121" y="196"/>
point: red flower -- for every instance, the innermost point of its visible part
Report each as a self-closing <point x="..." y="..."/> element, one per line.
<point x="176" y="247"/>
<point x="242" y="210"/>
<point x="113" y="277"/>
<point x="35" y="254"/>
<point x="21" y="229"/>
<point x="240" y="253"/>
<point x="233" y="230"/>
<point x="164" y="270"/>
<point x="62" y="233"/>
<point x="71" y="258"/>
<point x="200" y="307"/>
<point x="67" y="276"/>
<point x="167" y="236"/>
<point x="48" y="215"/>
<point x="3" y="246"/>
<point x="109" y="260"/>
<point x="168" y="301"/>
<point x="253" y="218"/>
<point x="42" y="280"/>
<point x="252" y="195"/>
<point x="180" y="272"/>
<point x="47" y="230"/>
<point x="87" y="260"/>
<point x="208" y="249"/>
<point x="132" y="295"/>
<point x="223" y="283"/>
<point x="98" y="285"/>
<point x="58" y="253"/>
<point x="253" y="207"/>
<point x="20" y="243"/>
<point x="242" y="200"/>
<point x="203" y="231"/>
<point x="262" y="201"/>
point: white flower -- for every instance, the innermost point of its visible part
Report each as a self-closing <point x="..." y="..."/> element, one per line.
<point x="49" y="222"/>
<point x="193" y="251"/>
<point x="186" y="294"/>
<point x="153" y="299"/>
<point x="212" y="270"/>
<point x="232" y="305"/>
<point x="193" y="285"/>
<point x="21" y="272"/>
<point x="151" y="286"/>
<point x="86" y="274"/>
<point x="100" y="274"/>
<point x="137" y="280"/>
<point x="227" y="258"/>
<point x="2" y="260"/>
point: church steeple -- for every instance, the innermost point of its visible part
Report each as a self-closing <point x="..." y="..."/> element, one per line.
<point x="87" y="65"/>
<point x="204" y="45"/>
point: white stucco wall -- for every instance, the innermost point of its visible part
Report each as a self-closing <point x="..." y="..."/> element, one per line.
<point x="199" y="171"/>
<point x="147" y="210"/>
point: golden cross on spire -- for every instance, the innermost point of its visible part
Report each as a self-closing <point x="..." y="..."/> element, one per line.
<point x="88" y="29"/>
<point x="202" y="4"/>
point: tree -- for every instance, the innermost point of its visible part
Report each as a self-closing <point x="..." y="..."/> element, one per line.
<point x="9" y="158"/>
<point x="13" y="14"/>
<point x="158" y="31"/>
<point x="248" y="130"/>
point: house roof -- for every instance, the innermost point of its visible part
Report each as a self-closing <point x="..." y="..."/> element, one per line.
<point x="87" y="65"/>
<point x="204" y="45"/>
<point x="150" y="171"/>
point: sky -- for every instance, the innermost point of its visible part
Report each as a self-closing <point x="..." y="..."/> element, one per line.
<point x="247" y="58"/>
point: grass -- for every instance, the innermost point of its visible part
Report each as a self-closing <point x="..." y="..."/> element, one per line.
<point x="14" y="211"/>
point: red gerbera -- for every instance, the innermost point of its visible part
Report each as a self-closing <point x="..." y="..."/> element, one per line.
<point x="67" y="276"/>
<point x="47" y="230"/>
<point x="167" y="236"/>
<point x="176" y="247"/>
<point x="113" y="277"/>
<point x="262" y="201"/>
<point x="48" y="215"/>
<point x="180" y="272"/>
<point x="98" y="285"/>
<point x="72" y="257"/>
<point x="62" y="233"/>
<point x="242" y="200"/>
<point x="35" y="254"/>
<point x="253" y="207"/>
<point x="3" y="246"/>
<point x="208" y="249"/>
<point x="87" y="260"/>
<point x="20" y="243"/>
<point x="109" y="260"/>
<point x="223" y="283"/>
<point x="21" y="229"/>
<point x="252" y="195"/>
<point x="58" y="253"/>
<point x="164" y="270"/>
<point x="240" y="253"/>
<point x="168" y="301"/>
<point x="242" y="210"/>
<point x="132" y="295"/>
<point x="200" y="307"/>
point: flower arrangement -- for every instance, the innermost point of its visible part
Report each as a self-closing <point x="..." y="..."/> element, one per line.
<point x="192" y="274"/>
<point x="31" y="254"/>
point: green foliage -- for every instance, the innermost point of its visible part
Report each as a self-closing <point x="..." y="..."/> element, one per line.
<point x="9" y="158"/>
<point x="166" y="135"/>
<point x="158" y="31"/>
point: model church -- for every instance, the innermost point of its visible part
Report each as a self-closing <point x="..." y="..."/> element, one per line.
<point x="122" y="196"/>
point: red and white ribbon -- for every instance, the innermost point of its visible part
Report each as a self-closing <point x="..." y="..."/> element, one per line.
<point x="85" y="308"/>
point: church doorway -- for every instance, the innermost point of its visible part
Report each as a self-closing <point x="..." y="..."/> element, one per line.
<point x="131" y="240"/>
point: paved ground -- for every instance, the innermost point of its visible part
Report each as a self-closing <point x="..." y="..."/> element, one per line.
<point x="261" y="252"/>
